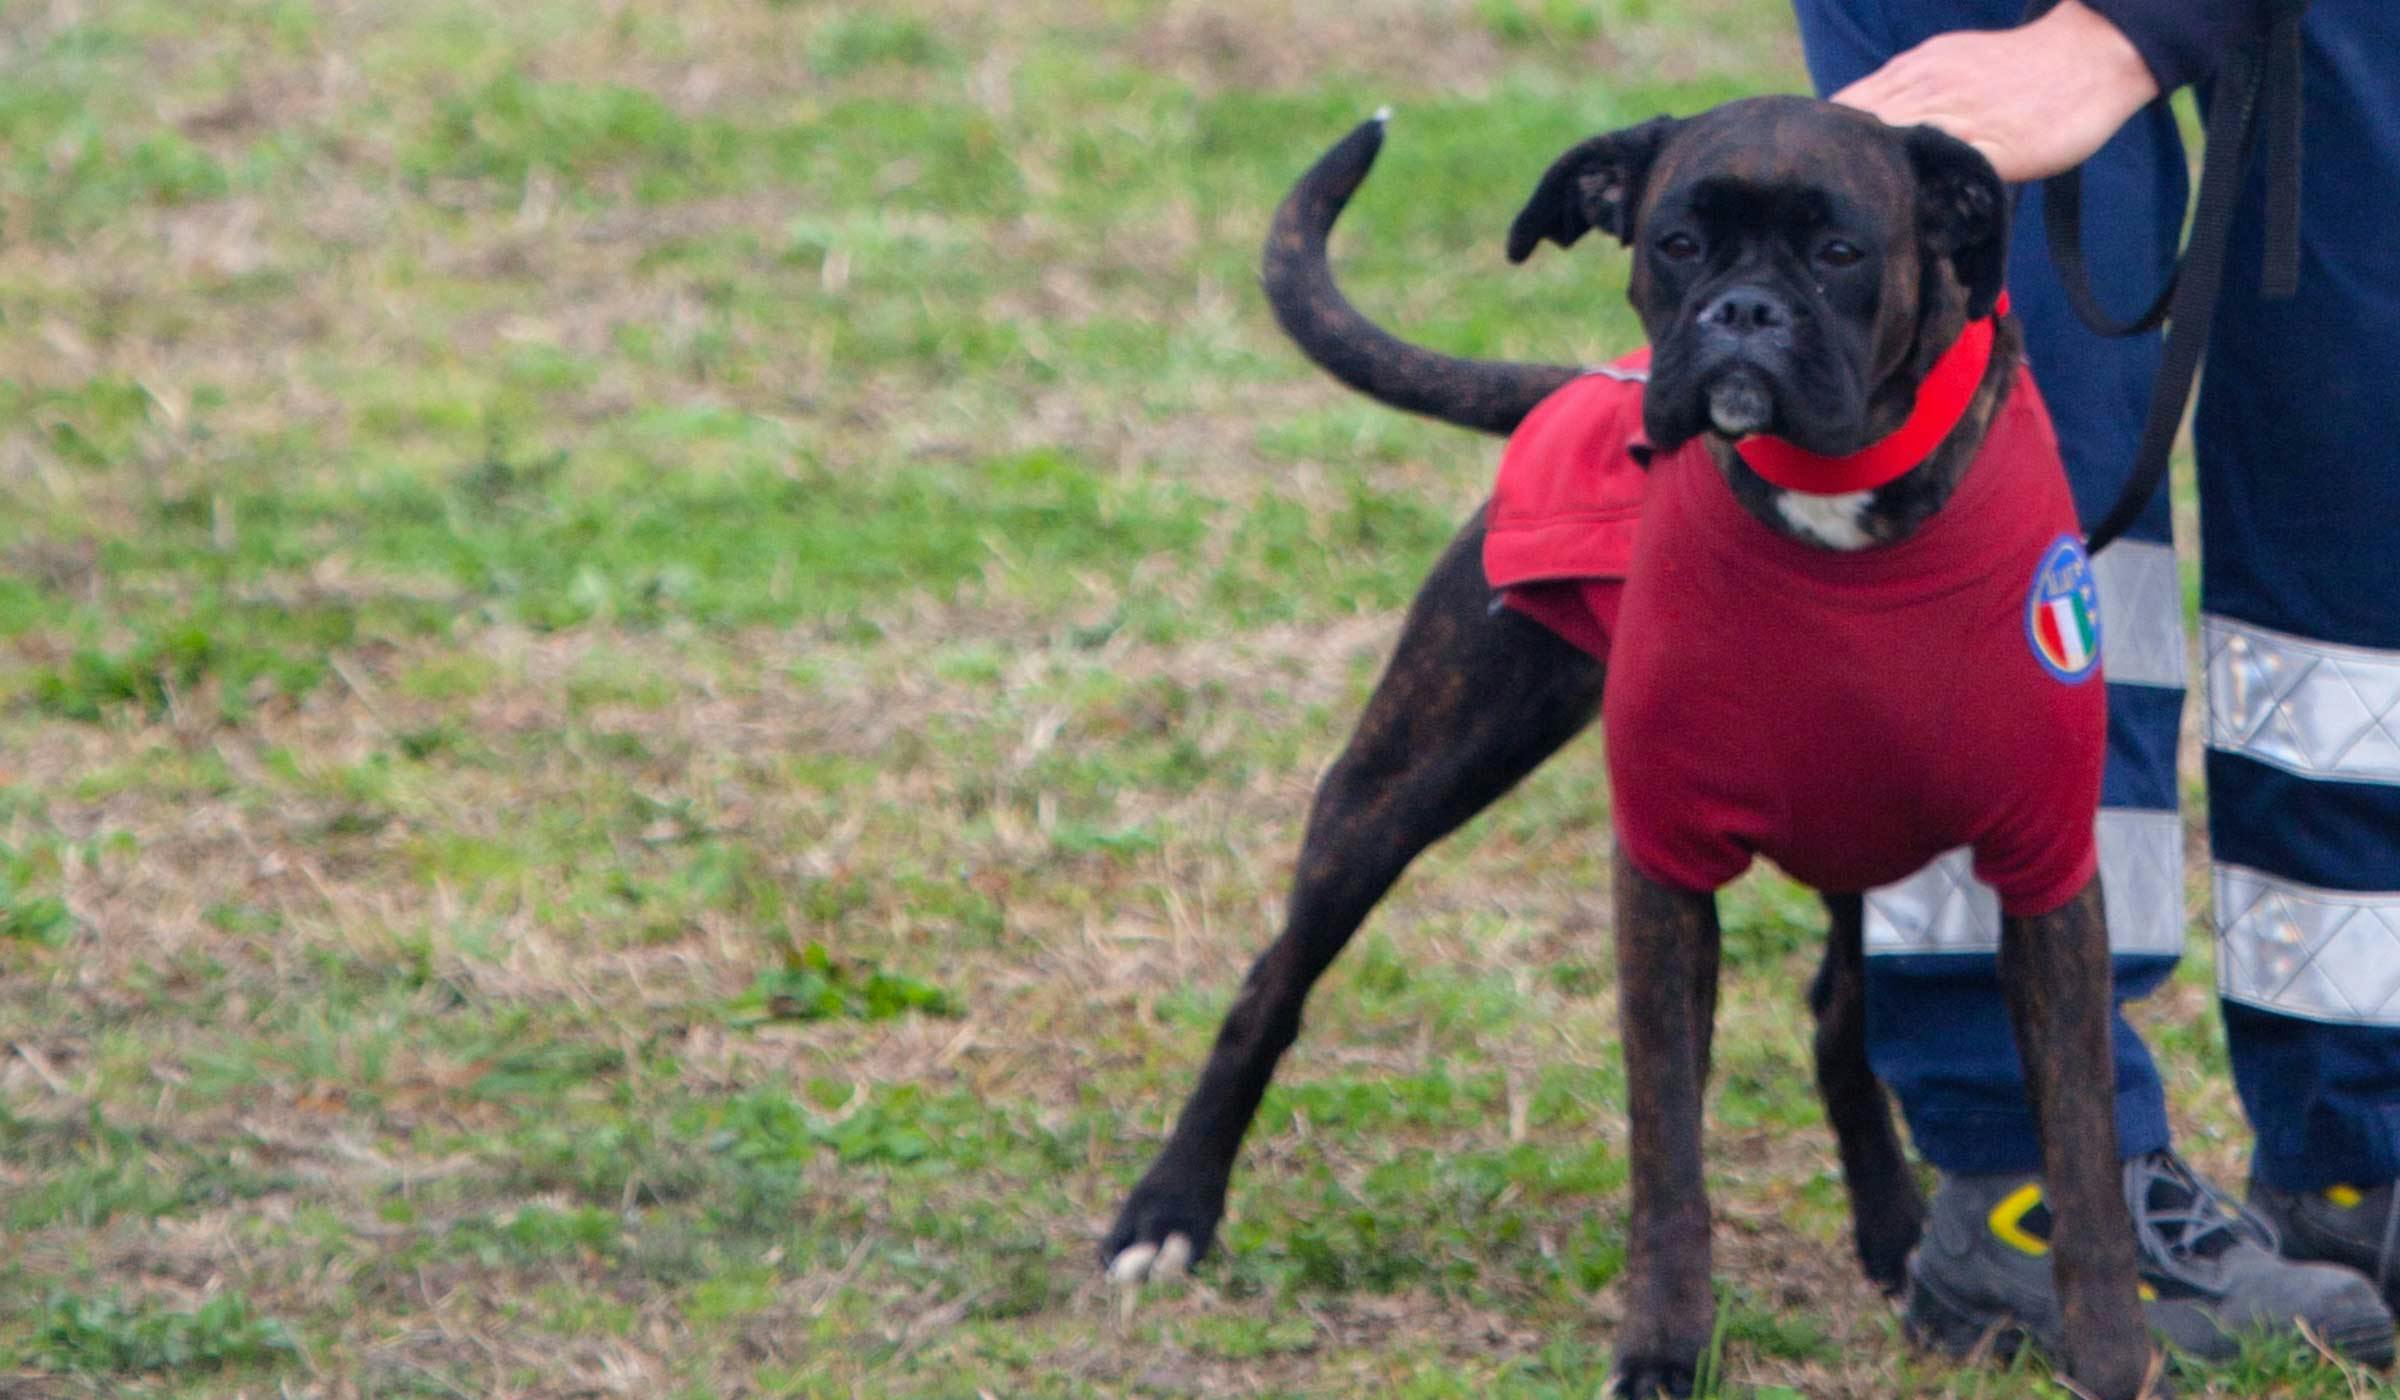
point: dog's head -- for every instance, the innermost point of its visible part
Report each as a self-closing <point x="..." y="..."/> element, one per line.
<point x="1798" y="266"/>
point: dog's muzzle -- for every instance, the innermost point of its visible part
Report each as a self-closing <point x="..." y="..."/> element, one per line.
<point x="1747" y="330"/>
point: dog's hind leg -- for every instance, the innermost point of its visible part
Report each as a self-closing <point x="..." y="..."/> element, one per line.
<point x="1475" y="697"/>
<point x="1887" y="1213"/>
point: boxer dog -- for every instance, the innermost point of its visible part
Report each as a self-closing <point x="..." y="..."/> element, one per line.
<point x="1852" y="621"/>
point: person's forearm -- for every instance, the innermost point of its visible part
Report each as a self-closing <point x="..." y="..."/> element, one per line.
<point x="2183" y="41"/>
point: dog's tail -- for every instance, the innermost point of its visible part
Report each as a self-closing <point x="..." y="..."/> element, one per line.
<point x="1491" y="395"/>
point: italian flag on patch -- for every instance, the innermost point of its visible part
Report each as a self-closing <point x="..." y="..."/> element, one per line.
<point x="2062" y="615"/>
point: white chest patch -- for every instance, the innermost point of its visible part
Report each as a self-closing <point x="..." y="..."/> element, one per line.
<point x="1832" y="521"/>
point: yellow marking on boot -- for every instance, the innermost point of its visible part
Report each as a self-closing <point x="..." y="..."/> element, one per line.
<point x="2347" y="1197"/>
<point x="2008" y="1219"/>
<point x="2149" y="1294"/>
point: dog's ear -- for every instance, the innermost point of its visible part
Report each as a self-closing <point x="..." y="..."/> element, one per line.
<point x="1595" y="185"/>
<point x="1962" y="212"/>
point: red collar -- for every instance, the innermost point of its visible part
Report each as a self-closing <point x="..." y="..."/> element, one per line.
<point x="1941" y="401"/>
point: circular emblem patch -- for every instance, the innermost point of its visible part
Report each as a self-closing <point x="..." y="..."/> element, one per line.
<point x="2062" y="612"/>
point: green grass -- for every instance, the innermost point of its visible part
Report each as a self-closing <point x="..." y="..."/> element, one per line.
<point x="662" y="661"/>
<point x="81" y="1334"/>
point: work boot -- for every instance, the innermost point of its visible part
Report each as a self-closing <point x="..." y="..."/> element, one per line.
<point x="2342" y="1225"/>
<point x="2209" y="1271"/>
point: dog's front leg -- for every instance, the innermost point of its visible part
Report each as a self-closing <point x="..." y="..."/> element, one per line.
<point x="2054" y="969"/>
<point x="1667" y="945"/>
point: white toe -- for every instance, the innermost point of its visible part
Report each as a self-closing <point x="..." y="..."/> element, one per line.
<point x="1173" y="1258"/>
<point x="1132" y="1264"/>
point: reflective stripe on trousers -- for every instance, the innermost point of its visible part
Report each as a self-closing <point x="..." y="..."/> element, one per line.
<point x="2326" y="720"/>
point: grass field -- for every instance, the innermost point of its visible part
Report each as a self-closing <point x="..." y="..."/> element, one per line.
<point x="662" y="660"/>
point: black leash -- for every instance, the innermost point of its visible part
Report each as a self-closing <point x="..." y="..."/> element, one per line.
<point x="2259" y="85"/>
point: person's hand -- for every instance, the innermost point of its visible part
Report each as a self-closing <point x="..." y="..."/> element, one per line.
<point x="2035" y="100"/>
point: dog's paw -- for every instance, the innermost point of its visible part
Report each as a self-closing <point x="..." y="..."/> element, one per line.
<point x="1649" y="1377"/>
<point x="1143" y="1262"/>
<point x="1885" y="1237"/>
<point x="1167" y="1225"/>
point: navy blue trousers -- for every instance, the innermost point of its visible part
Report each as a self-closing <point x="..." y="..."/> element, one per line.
<point x="2299" y="457"/>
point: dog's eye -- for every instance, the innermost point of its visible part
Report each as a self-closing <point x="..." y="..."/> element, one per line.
<point x="1839" y="254"/>
<point x="1679" y="247"/>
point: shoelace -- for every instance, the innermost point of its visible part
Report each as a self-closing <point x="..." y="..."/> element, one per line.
<point x="2391" y="1238"/>
<point x="2175" y="1236"/>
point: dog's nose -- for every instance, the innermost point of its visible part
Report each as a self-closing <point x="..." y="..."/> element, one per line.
<point x="1746" y="310"/>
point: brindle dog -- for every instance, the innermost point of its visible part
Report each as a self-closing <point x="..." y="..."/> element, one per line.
<point x="1909" y="232"/>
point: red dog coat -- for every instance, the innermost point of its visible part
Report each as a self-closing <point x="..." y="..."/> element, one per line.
<point x="1850" y="716"/>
